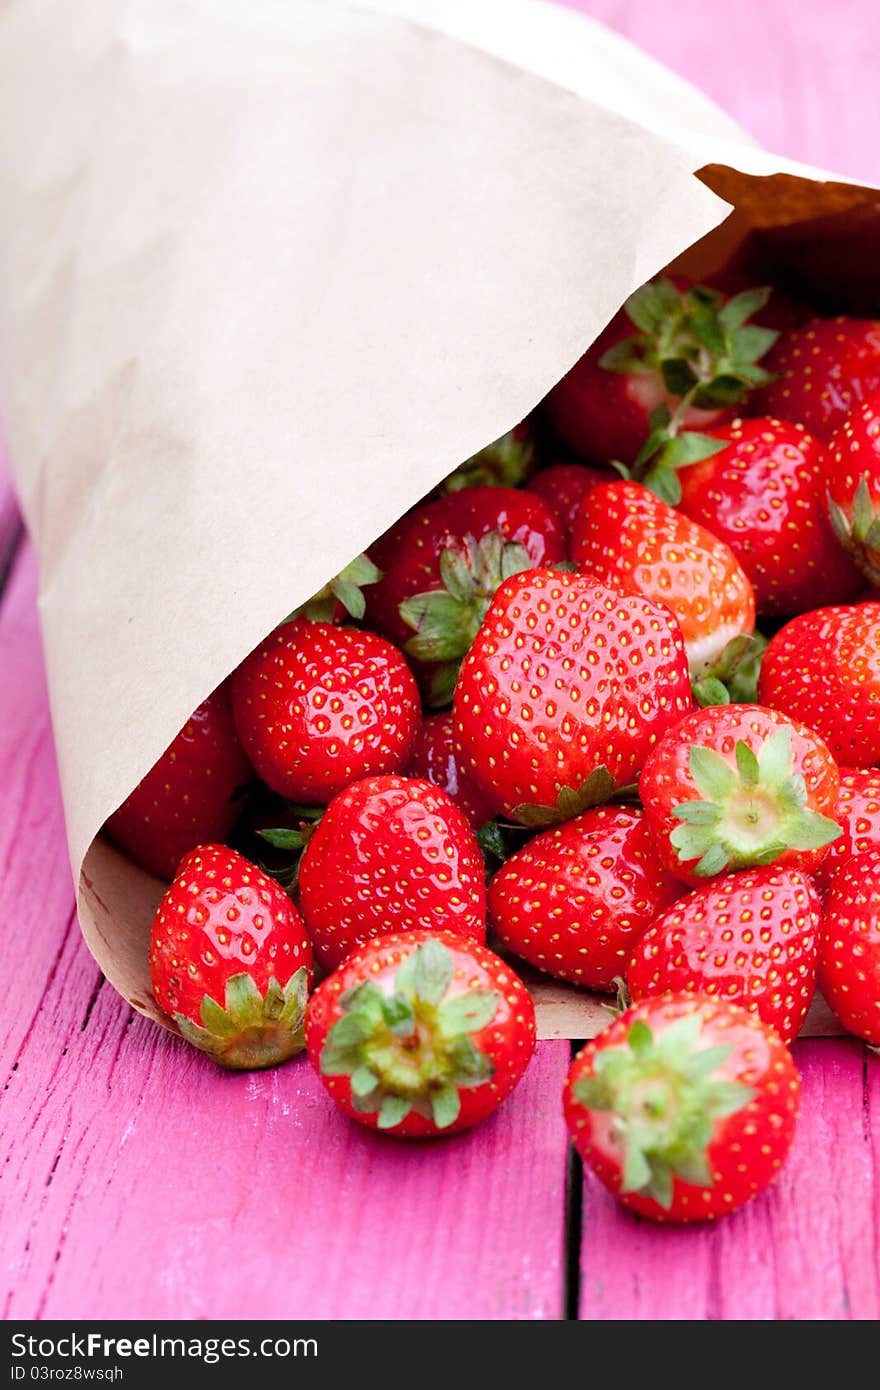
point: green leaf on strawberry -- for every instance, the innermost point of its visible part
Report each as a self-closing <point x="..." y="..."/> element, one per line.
<point x="598" y="788"/>
<point x="411" y="1049"/>
<point x="251" y="1030"/>
<point x="666" y="1096"/>
<point x="749" y="814"/>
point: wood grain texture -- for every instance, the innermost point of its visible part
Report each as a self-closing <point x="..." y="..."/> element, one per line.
<point x="140" y="1181"/>
<point x="801" y="76"/>
<point x="805" y="1249"/>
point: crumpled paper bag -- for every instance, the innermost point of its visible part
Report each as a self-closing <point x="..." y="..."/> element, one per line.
<point x="269" y="269"/>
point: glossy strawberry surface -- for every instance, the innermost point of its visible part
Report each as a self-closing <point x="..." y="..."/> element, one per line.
<point x="565" y="689"/>
<point x="437" y="758"/>
<point x="823" y="370"/>
<point x="823" y="668"/>
<point x="858" y="815"/>
<point x="750" y="938"/>
<point x="390" y="854"/>
<point x="318" y="707"/>
<point x="191" y="796"/>
<point x="632" y="540"/>
<point x="230" y="959"/>
<point x="849" y="960"/>
<point x="563" y="487"/>
<point x="853" y="486"/>
<point x="575" y="899"/>
<point x="764" y="494"/>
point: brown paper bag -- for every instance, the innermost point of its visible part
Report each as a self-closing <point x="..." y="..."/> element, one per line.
<point x="269" y="271"/>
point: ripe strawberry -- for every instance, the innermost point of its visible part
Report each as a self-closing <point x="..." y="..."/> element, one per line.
<point x="858" y="815"/>
<point x="823" y="371"/>
<point x="824" y="669"/>
<point x="750" y="938"/>
<point x="849" y="949"/>
<point x="190" y="796"/>
<point x="506" y="462"/>
<point x="764" y="495"/>
<point x="318" y="707"/>
<point x="563" y="487"/>
<point x="420" y="1034"/>
<point x="691" y="356"/>
<point x="575" y="899"/>
<point x="441" y="566"/>
<point x="735" y="786"/>
<point x="437" y="758"/>
<point x="685" y="1107"/>
<point x="390" y="854"/>
<point x="633" y="541"/>
<point x="230" y="960"/>
<point x="564" y="690"/>
<point x="853" y="477"/>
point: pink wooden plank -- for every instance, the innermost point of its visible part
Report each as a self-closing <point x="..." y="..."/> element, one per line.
<point x="806" y="1249"/>
<point x="799" y="75"/>
<point x="139" y="1181"/>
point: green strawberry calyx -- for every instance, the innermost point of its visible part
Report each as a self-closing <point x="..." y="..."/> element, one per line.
<point x="707" y="354"/>
<point x="598" y="788"/>
<point x="346" y="588"/>
<point x="251" y="1030"/>
<point x="860" y="532"/>
<point x="734" y="677"/>
<point x="411" y="1049"/>
<point x="507" y="462"/>
<point x="666" y="1094"/>
<point x="748" y="814"/>
<point x="445" y="621"/>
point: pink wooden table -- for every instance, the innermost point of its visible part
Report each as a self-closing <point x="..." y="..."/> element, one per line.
<point x="137" y="1181"/>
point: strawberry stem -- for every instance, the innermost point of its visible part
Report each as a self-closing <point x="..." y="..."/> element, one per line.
<point x="748" y="814"/>
<point x="665" y="1095"/>
<point x="411" y="1049"/>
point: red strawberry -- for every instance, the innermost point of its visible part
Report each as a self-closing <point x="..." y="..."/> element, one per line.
<point x="421" y="1034"/>
<point x="858" y="815"/>
<point x="437" y="758"/>
<point x="824" y="669"/>
<point x="506" y="462"/>
<point x="189" y="796"/>
<point x="750" y="938"/>
<point x="575" y="899"/>
<point x="390" y="854"/>
<point x="563" y="692"/>
<point x="633" y="541"/>
<point x="563" y="487"/>
<point x="441" y="566"/>
<point x="318" y="707"/>
<point x="823" y="371"/>
<point x="230" y="960"/>
<point x="691" y="356"/>
<point x="849" y="950"/>
<point x="735" y="786"/>
<point x="685" y="1107"/>
<point x="764" y="495"/>
<point x="853" y="477"/>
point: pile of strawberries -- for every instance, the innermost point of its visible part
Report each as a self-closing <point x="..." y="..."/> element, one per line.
<point x="542" y="702"/>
